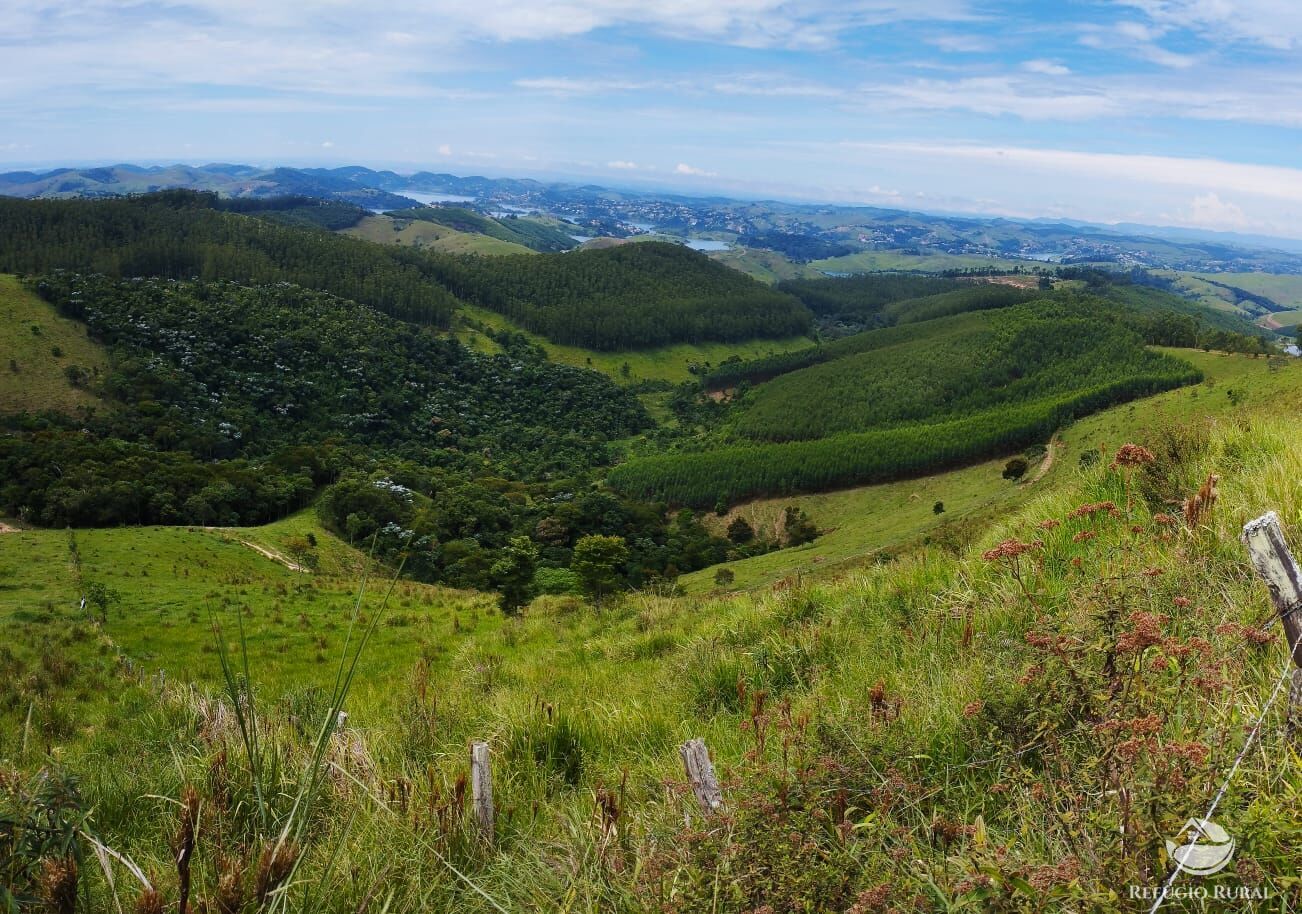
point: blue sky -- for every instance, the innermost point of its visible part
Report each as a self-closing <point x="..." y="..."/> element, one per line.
<point x="1177" y="112"/>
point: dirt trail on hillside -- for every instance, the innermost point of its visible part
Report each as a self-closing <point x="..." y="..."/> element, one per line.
<point x="273" y="555"/>
<point x="5" y="528"/>
<point x="1047" y="463"/>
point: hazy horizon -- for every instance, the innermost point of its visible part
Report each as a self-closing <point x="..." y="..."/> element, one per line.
<point x="1178" y="113"/>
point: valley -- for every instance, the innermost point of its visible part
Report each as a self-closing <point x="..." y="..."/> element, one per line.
<point x="465" y="479"/>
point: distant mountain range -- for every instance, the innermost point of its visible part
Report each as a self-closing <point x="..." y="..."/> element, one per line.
<point x="801" y="232"/>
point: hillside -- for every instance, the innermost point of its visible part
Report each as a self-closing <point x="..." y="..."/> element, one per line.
<point x="950" y="367"/>
<point x="909" y="399"/>
<point x="627" y="297"/>
<point x="522" y="230"/>
<point x="49" y="364"/>
<point x="634" y="297"/>
<point x="884" y="736"/>
<point x="183" y="236"/>
<point x="429" y="235"/>
<point x="861" y="525"/>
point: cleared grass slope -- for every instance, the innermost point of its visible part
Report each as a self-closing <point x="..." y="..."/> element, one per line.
<point x="38" y="347"/>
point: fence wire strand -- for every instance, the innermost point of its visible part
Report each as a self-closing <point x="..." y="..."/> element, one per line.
<point x="1284" y="676"/>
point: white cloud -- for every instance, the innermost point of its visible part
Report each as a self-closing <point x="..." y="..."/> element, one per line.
<point x="1136" y="39"/>
<point x="565" y="85"/>
<point x="961" y="44"/>
<point x="328" y="144"/>
<point x="622" y="165"/>
<point x="1046" y="67"/>
<point x="1237" y="95"/>
<point x="444" y="149"/>
<point x="748" y="23"/>
<point x="1210" y="211"/>
<point x="1210" y="176"/>
<point x="993" y="95"/>
<point x="682" y="168"/>
<point x="1273" y="24"/>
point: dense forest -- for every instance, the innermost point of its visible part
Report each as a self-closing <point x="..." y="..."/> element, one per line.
<point x="632" y="296"/>
<point x="629" y="297"/>
<point x="858" y="298"/>
<point x="184" y="235"/>
<point x="229" y="404"/>
<point x="531" y="233"/>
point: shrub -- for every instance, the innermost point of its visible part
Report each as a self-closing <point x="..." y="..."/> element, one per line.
<point x="1016" y="468"/>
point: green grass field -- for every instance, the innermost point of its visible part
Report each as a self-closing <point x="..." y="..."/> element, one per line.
<point x="766" y="266"/>
<point x="385" y="230"/>
<point x="859" y="524"/>
<point x="910" y="693"/>
<point x="1282" y="319"/>
<point x="876" y="261"/>
<point x="170" y="583"/>
<point x="1283" y="288"/>
<point x="41" y="345"/>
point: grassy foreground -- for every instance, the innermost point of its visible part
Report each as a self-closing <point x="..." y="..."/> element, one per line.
<point x="1017" y="727"/>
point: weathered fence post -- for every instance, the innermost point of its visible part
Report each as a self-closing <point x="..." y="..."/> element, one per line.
<point x="481" y="788"/>
<point x="700" y="774"/>
<point x="1270" y="556"/>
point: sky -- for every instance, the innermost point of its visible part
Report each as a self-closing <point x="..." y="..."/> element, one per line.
<point x="1170" y="112"/>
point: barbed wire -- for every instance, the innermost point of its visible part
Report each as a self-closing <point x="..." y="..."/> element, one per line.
<point x="1284" y="676"/>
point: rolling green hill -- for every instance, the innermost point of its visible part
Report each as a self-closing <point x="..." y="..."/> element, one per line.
<point x="522" y="230"/>
<point x="951" y="680"/>
<point x="916" y="397"/>
<point x="632" y="297"/>
<point x="182" y="235"/>
<point x="49" y="363"/>
<point x="948" y="368"/>
<point x="628" y="297"/>
<point x="429" y="236"/>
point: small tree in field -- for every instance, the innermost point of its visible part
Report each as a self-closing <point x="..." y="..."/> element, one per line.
<point x="598" y="561"/>
<point x="724" y="577"/>
<point x="513" y="573"/>
<point x="100" y="596"/>
<point x="1016" y="468"/>
<point x="938" y="508"/>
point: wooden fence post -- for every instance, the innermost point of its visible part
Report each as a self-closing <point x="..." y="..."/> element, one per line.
<point x="481" y="788"/>
<point x="1270" y="556"/>
<point x="700" y="774"/>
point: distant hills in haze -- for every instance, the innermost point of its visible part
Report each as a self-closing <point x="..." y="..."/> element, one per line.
<point x="831" y="238"/>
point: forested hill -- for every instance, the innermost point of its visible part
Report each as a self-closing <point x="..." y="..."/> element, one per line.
<point x="917" y="397"/>
<point x="627" y="297"/>
<point x="207" y="377"/>
<point x="630" y="297"/>
<point x="183" y="235"/>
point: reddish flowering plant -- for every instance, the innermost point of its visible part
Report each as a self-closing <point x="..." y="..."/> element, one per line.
<point x="1132" y="455"/>
<point x="1013" y="550"/>
<point x="1091" y="509"/>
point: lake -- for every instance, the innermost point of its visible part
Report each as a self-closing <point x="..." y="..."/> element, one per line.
<point x="422" y="197"/>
